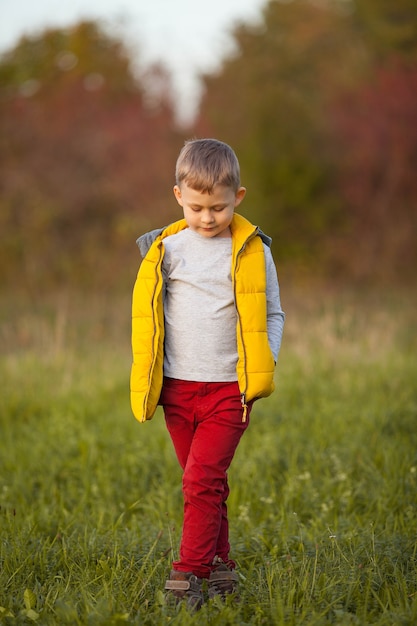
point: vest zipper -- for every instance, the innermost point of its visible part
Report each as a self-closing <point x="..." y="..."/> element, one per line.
<point x="243" y="394"/>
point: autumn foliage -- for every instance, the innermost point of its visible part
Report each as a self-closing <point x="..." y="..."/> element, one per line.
<point x="86" y="159"/>
<point x="319" y="101"/>
<point x="377" y="177"/>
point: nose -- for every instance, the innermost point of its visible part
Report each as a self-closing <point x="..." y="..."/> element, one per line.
<point x="207" y="217"/>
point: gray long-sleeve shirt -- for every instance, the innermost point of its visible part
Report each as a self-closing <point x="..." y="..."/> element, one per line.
<point x="199" y="308"/>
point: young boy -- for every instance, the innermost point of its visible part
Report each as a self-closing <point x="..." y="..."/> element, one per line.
<point x="206" y="332"/>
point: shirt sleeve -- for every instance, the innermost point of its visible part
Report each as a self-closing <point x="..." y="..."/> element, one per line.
<point x="275" y="314"/>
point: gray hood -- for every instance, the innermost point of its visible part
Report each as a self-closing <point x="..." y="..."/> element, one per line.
<point x="145" y="241"/>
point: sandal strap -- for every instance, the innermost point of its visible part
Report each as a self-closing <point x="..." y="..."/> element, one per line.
<point x="178" y="585"/>
<point x="218" y="576"/>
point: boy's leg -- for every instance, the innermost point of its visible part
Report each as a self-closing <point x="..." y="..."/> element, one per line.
<point x="223" y="546"/>
<point x="178" y="400"/>
<point x="215" y="415"/>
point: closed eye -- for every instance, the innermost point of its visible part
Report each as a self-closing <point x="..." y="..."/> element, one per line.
<point x="217" y="209"/>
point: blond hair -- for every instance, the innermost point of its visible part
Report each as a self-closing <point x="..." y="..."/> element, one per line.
<point x="204" y="163"/>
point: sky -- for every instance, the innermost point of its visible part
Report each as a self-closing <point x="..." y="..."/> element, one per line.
<point x="188" y="36"/>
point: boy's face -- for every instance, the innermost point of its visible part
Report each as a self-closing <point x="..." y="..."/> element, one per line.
<point x="209" y="215"/>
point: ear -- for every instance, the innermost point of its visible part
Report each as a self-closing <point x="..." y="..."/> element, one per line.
<point x="240" y="194"/>
<point x="177" y="194"/>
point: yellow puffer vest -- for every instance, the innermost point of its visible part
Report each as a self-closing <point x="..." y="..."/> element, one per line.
<point x="255" y="366"/>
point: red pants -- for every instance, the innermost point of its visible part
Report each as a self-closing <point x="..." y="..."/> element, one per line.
<point x="205" y="424"/>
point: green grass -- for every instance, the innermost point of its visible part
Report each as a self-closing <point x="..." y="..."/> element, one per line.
<point x="323" y="500"/>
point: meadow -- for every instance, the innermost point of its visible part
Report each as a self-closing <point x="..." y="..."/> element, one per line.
<point x="323" y="502"/>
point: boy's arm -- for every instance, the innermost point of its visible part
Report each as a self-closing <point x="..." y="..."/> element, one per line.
<point x="275" y="314"/>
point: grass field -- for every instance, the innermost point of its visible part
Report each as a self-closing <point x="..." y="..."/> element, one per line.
<point x="323" y="501"/>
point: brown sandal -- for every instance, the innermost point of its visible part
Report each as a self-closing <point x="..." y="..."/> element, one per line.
<point x="185" y="586"/>
<point x="223" y="580"/>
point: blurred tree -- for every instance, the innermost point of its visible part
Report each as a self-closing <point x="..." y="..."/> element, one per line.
<point x="376" y="131"/>
<point x="387" y="26"/>
<point x="83" y="53"/>
<point x="86" y="157"/>
<point x="269" y="100"/>
<point x="376" y="141"/>
<point x="296" y="100"/>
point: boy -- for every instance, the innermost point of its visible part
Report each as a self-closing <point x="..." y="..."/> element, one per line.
<point x="206" y="332"/>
